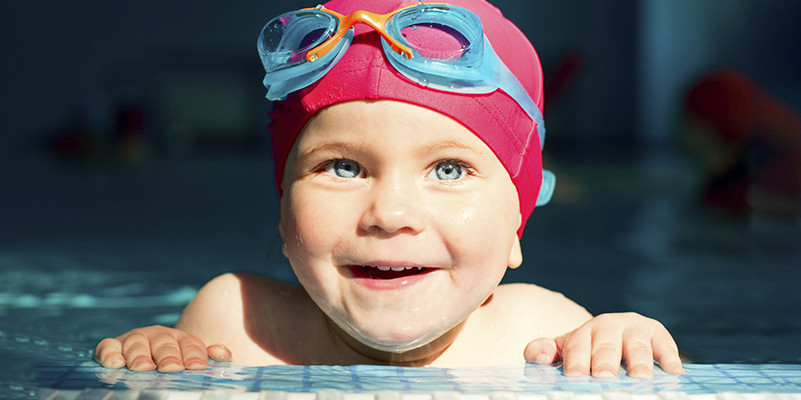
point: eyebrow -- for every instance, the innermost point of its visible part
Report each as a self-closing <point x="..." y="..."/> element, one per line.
<point x="426" y="149"/>
<point x="333" y="147"/>
<point x="451" y="144"/>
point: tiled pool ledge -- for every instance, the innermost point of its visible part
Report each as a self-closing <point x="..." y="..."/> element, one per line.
<point x="365" y="382"/>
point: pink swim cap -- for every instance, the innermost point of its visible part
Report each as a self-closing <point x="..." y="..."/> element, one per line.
<point x="365" y="73"/>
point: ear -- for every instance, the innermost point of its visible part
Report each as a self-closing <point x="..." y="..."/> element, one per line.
<point x="281" y="232"/>
<point x="282" y="229"/>
<point x="515" y="255"/>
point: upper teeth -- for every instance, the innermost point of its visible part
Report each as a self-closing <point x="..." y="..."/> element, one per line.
<point x="397" y="269"/>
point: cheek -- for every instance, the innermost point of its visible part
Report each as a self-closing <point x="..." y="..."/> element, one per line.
<point x="297" y="219"/>
<point x="312" y="224"/>
<point x="479" y="247"/>
<point x="305" y="244"/>
<point x="484" y="229"/>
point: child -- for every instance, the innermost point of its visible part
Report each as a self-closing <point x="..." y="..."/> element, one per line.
<point x="406" y="180"/>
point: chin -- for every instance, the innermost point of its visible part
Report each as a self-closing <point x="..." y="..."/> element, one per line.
<point x="393" y="346"/>
<point x="394" y="341"/>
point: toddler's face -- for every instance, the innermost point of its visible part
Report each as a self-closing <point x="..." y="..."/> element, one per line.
<point x="397" y="220"/>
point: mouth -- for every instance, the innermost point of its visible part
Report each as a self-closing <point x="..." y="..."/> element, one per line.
<point x="387" y="273"/>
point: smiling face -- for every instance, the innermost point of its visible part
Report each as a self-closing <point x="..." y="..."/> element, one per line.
<point x="397" y="220"/>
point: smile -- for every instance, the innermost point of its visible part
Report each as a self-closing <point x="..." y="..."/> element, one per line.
<point x="386" y="273"/>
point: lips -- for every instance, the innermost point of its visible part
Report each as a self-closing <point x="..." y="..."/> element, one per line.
<point x="387" y="273"/>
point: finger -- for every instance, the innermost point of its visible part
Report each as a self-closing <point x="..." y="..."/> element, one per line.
<point x="166" y="352"/>
<point x="193" y="351"/>
<point x="541" y="351"/>
<point x="218" y="352"/>
<point x="666" y="353"/>
<point x="136" y="350"/>
<point x="575" y="349"/>
<point x="607" y="351"/>
<point x="638" y="352"/>
<point x="109" y="353"/>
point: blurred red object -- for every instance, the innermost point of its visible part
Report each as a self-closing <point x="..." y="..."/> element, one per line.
<point x="755" y="139"/>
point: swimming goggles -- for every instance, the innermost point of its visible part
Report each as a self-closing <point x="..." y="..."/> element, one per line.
<point x="299" y="47"/>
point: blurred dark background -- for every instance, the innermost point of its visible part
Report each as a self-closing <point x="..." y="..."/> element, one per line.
<point x="137" y="131"/>
<point x="81" y="63"/>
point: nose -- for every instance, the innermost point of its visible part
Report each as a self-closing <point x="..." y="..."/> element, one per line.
<point x="393" y="207"/>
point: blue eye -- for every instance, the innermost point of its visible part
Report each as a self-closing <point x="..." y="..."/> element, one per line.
<point x="345" y="168"/>
<point x="448" y="171"/>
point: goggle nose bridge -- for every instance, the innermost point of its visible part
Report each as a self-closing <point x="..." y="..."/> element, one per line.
<point x="376" y="21"/>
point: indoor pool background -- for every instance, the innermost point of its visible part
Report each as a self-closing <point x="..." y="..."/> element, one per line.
<point x="133" y="169"/>
<point x="91" y="250"/>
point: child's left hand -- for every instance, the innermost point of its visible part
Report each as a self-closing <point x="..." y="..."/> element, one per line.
<point x="598" y="346"/>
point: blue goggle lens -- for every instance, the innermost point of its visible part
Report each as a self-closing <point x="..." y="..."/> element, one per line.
<point x="438" y="32"/>
<point x="284" y="43"/>
<point x="286" y="39"/>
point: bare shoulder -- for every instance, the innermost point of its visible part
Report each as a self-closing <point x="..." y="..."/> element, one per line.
<point x="531" y="305"/>
<point x="226" y="308"/>
<point x="219" y="299"/>
<point x="508" y="320"/>
<point x="240" y="284"/>
<point x="226" y="297"/>
<point x="533" y="292"/>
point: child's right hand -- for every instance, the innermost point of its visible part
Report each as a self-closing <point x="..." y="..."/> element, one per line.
<point x="168" y="349"/>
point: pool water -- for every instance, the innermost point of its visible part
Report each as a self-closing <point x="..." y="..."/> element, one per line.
<point x="92" y="250"/>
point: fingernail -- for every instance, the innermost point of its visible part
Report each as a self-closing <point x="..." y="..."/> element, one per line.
<point x="115" y="363"/>
<point x="640" y="373"/>
<point x="604" y="373"/>
<point x="170" y="368"/>
<point x="142" y="366"/>
<point x="678" y="370"/>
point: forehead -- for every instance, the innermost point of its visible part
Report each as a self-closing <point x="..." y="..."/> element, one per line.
<point x="387" y="121"/>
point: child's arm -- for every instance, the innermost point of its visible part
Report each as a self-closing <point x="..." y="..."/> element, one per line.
<point x="215" y="315"/>
<point x="168" y="349"/>
<point x="599" y="345"/>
